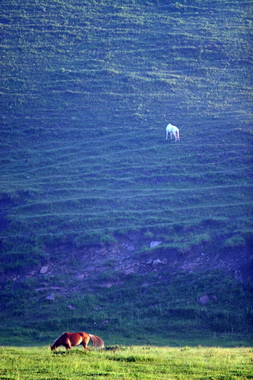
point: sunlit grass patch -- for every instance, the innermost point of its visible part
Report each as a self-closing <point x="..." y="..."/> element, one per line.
<point x="87" y="90"/>
<point x="146" y="362"/>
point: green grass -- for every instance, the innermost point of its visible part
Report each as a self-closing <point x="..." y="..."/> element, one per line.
<point x="86" y="105"/>
<point x="135" y="362"/>
<point x="151" y="308"/>
<point x="87" y="91"/>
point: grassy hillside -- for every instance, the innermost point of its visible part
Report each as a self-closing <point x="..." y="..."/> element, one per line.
<point x="155" y="309"/>
<point x="87" y="90"/>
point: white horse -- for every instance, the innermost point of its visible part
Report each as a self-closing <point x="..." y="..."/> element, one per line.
<point x="173" y="131"/>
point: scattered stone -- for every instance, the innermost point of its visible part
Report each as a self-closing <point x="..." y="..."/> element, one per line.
<point x="80" y="276"/>
<point x="99" y="307"/>
<point x="50" y="297"/>
<point x="44" y="269"/>
<point x="156" y="262"/>
<point x="58" y="288"/>
<point x="204" y="300"/>
<point x="71" y="307"/>
<point x="104" y="323"/>
<point x="29" y="275"/>
<point x="129" y="271"/>
<point x="159" y="262"/>
<point x="145" y="285"/>
<point x="90" y="269"/>
<point x="154" y="244"/>
<point x="108" y="285"/>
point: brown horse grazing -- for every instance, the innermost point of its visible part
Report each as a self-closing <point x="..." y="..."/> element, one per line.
<point x="68" y="340"/>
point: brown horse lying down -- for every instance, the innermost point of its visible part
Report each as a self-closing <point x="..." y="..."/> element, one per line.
<point x="68" y="340"/>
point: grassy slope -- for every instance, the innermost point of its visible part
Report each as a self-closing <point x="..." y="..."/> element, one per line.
<point x="165" y="311"/>
<point x="87" y="91"/>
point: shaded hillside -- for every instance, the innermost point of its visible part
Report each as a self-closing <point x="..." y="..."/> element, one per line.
<point x="87" y="92"/>
<point x="130" y="295"/>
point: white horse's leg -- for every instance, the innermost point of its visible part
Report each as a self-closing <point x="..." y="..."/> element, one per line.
<point x="171" y="135"/>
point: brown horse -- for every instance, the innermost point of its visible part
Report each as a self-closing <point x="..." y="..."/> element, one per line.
<point x="68" y="340"/>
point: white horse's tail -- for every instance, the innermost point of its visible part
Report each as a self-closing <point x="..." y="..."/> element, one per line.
<point x="177" y="134"/>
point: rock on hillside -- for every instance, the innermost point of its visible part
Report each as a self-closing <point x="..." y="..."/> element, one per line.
<point x="132" y="254"/>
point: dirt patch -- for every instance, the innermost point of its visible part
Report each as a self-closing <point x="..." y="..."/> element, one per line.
<point x="123" y="256"/>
